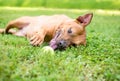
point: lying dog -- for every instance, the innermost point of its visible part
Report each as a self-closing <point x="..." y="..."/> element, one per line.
<point x="60" y="30"/>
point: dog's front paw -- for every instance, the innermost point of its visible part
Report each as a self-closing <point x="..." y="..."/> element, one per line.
<point x="36" y="39"/>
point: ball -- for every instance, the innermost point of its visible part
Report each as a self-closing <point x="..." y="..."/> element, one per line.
<point x="48" y="49"/>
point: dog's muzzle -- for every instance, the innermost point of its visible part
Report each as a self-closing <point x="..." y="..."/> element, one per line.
<point x="59" y="44"/>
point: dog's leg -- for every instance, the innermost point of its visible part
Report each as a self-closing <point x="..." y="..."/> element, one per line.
<point x="37" y="38"/>
<point x="14" y="32"/>
<point x="2" y="31"/>
<point x="19" y="24"/>
<point x="19" y="33"/>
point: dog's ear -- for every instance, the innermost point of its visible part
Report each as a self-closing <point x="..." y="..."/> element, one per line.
<point x="85" y="19"/>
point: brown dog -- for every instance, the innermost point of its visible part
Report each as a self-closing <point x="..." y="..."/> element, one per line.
<point x="60" y="29"/>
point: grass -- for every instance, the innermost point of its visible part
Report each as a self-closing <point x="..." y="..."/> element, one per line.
<point x="98" y="61"/>
<point x="77" y="4"/>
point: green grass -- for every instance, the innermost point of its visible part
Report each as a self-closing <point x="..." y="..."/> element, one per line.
<point x="74" y="4"/>
<point x="98" y="61"/>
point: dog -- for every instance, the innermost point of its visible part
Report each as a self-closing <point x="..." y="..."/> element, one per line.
<point x="60" y="31"/>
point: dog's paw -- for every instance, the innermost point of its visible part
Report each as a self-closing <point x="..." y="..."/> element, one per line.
<point x="36" y="39"/>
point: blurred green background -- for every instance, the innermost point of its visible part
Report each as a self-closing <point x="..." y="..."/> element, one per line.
<point x="74" y="4"/>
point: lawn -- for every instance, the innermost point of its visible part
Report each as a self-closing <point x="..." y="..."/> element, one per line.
<point x="76" y="4"/>
<point x="99" y="60"/>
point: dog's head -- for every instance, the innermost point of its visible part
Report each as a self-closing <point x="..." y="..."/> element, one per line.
<point x="71" y="33"/>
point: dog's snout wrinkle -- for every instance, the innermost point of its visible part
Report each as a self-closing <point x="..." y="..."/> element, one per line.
<point x="57" y="34"/>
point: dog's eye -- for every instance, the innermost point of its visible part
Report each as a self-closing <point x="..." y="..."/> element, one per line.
<point x="69" y="30"/>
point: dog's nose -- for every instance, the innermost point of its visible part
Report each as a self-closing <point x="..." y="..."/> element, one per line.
<point x="61" y="44"/>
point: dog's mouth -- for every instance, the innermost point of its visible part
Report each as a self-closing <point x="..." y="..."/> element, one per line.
<point x="53" y="42"/>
